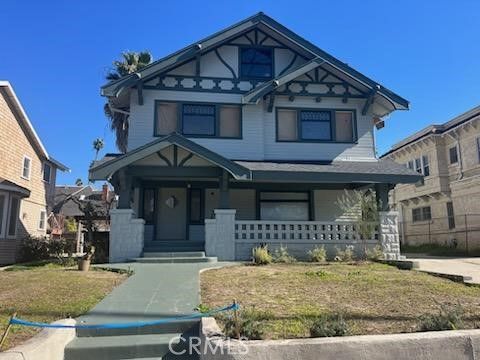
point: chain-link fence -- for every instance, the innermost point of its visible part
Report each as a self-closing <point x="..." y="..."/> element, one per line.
<point x="460" y="231"/>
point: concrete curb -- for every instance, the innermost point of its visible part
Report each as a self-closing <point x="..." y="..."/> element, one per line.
<point x="438" y="345"/>
<point x="49" y="344"/>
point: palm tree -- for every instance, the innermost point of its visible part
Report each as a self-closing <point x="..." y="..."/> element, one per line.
<point x="97" y="146"/>
<point x="79" y="182"/>
<point x="130" y="63"/>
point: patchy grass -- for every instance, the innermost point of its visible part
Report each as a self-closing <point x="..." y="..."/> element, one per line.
<point x="47" y="292"/>
<point x="372" y="298"/>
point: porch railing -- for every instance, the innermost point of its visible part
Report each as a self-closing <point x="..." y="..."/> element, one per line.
<point x="296" y="230"/>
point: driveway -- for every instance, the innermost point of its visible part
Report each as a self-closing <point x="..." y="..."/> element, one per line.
<point x="469" y="267"/>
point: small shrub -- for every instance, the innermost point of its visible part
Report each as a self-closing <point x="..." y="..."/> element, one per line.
<point x="346" y="255"/>
<point x="328" y="325"/>
<point x="34" y="248"/>
<point x="375" y="254"/>
<point x="249" y="324"/>
<point x="318" y="254"/>
<point x="261" y="256"/>
<point x="446" y="319"/>
<point x="281" y="255"/>
<point x="202" y="308"/>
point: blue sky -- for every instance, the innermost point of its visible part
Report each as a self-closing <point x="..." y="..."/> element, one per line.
<point x="56" y="54"/>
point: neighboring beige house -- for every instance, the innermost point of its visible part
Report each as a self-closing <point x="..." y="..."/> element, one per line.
<point x="445" y="207"/>
<point x="27" y="177"/>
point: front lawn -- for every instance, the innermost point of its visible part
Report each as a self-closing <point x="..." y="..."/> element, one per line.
<point x="47" y="293"/>
<point x="373" y="298"/>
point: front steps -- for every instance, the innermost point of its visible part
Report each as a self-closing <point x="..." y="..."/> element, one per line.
<point x="174" y="246"/>
<point x="174" y="252"/>
<point x="123" y="344"/>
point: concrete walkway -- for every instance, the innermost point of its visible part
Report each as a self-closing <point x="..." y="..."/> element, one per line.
<point x="467" y="267"/>
<point x="154" y="291"/>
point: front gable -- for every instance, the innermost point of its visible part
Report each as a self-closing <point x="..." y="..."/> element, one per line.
<point x="214" y="65"/>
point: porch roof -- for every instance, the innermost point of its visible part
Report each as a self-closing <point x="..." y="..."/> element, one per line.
<point x="105" y="169"/>
<point x="380" y="171"/>
<point x="12" y="187"/>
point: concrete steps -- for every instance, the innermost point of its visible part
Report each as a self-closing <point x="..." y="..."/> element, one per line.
<point x="173" y="260"/>
<point x="155" y="346"/>
<point x="174" y="246"/>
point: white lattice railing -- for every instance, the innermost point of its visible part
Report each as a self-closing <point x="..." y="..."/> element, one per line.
<point x="295" y="230"/>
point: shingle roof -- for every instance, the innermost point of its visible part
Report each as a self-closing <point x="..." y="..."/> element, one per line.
<point x="381" y="171"/>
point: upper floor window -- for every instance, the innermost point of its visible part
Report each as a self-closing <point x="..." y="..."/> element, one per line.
<point x="315" y="125"/>
<point x="202" y="120"/>
<point x="422" y="214"/>
<point x="425" y="165"/>
<point x="256" y="62"/>
<point x="453" y="153"/>
<point x="420" y="165"/>
<point x="47" y="172"/>
<point x="198" y="119"/>
<point x="27" y="167"/>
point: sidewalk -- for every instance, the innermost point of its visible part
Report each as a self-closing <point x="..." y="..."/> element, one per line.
<point x="468" y="267"/>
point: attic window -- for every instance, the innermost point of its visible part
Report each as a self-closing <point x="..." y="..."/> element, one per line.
<point x="256" y="63"/>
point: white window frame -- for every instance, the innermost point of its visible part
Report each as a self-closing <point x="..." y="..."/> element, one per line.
<point x="14" y="235"/>
<point x="44" y="221"/>
<point x="43" y="173"/>
<point x="25" y="157"/>
<point x="3" y="223"/>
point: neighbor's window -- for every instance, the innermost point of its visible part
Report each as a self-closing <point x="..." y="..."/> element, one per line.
<point x="418" y="165"/>
<point x="451" y="215"/>
<point x="288" y="206"/>
<point x="47" y="171"/>
<point x="3" y="212"/>
<point x="315" y="125"/>
<point x="166" y="118"/>
<point x="256" y="63"/>
<point x="27" y="167"/>
<point x="421" y="214"/>
<point x="426" y="166"/>
<point x="13" y="216"/>
<point x="453" y="153"/>
<point x="149" y="206"/>
<point x="43" y="220"/>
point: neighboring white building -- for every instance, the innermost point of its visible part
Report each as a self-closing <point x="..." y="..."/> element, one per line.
<point x="444" y="209"/>
<point x="248" y="136"/>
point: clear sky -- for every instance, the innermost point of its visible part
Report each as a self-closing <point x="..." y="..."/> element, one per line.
<point x="56" y="54"/>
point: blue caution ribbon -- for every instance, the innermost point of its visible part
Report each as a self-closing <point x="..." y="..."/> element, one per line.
<point x="17" y="321"/>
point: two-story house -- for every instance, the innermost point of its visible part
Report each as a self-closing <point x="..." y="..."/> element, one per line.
<point x="27" y="177"/>
<point x="445" y="207"/>
<point x="246" y="137"/>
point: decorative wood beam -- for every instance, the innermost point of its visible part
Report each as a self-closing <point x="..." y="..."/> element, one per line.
<point x="271" y="102"/>
<point x="368" y="102"/>
<point x="167" y="161"/>
<point x="140" y="92"/>
<point x="185" y="159"/>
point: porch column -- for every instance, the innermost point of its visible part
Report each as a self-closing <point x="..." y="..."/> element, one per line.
<point x="125" y="190"/>
<point x="381" y="193"/>
<point x="224" y="198"/>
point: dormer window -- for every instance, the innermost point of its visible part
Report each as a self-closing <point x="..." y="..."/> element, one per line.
<point x="256" y="63"/>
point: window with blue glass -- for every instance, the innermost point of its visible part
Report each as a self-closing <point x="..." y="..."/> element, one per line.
<point x="256" y="63"/>
<point x="316" y="125"/>
<point x="198" y="119"/>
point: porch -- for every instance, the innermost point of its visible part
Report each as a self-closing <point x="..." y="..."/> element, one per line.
<point x="177" y="196"/>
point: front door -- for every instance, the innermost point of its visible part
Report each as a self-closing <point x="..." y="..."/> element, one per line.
<point x="172" y="214"/>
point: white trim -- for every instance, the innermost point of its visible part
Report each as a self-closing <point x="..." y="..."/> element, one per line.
<point x="3" y="220"/>
<point x="25" y="157"/>
<point x="28" y="123"/>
